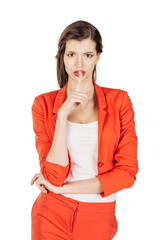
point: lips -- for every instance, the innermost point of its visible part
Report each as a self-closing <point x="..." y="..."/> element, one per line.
<point x="78" y="72"/>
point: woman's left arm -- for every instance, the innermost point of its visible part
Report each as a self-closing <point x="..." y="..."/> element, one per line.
<point x="123" y="174"/>
<point x="92" y="185"/>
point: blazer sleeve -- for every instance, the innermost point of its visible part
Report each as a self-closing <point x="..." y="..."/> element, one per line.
<point x="54" y="173"/>
<point x="125" y="167"/>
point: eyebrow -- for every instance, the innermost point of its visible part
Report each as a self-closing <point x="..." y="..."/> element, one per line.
<point x="75" y="52"/>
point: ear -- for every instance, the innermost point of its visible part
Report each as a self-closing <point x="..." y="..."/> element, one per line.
<point x="98" y="57"/>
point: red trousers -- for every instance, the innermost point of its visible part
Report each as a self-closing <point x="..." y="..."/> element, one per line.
<point x="56" y="217"/>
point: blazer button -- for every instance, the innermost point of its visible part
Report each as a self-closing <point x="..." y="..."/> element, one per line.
<point x="100" y="164"/>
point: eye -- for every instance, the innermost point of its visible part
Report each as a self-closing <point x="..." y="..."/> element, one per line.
<point x="89" y="55"/>
<point x="70" y="54"/>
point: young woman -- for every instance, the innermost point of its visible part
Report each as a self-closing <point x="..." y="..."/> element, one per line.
<point x="87" y="145"/>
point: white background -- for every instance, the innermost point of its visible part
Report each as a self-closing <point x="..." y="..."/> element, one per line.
<point x="130" y="61"/>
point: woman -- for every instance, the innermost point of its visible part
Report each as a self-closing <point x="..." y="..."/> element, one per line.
<point x="87" y="145"/>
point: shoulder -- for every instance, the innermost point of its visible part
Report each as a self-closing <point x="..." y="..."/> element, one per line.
<point x="47" y="95"/>
<point x="44" y="99"/>
<point x="117" y="97"/>
<point x="114" y="93"/>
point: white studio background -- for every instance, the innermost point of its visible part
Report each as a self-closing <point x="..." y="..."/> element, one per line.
<point x="130" y="61"/>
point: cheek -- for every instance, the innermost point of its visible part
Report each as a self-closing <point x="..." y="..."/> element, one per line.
<point x="68" y="63"/>
<point x="91" y="66"/>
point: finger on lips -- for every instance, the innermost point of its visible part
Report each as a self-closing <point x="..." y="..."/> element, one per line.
<point x="78" y="86"/>
<point x="79" y="79"/>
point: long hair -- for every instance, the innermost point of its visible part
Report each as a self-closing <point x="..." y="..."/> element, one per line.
<point x="78" y="30"/>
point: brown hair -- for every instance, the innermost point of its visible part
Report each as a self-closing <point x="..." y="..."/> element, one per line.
<point x="78" y="30"/>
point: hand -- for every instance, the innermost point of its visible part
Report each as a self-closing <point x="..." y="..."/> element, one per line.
<point x="75" y="99"/>
<point x="43" y="184"/>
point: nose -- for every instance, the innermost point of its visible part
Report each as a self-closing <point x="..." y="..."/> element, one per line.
<point x="79" y="62"/>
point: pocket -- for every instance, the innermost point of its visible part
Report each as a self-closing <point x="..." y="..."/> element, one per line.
<point x="66" y="218"/>
<point x="59" y="213"/>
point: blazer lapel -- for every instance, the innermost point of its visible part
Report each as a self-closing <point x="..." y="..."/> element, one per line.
<point x="58" y="103"/>
<point x="102" y="109"/>
<point x="102" y="113"/>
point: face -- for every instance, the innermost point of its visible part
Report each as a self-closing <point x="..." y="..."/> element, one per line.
<point x="80" y="55"/>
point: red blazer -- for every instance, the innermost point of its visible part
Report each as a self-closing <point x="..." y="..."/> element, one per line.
<point x="117" y="141"/>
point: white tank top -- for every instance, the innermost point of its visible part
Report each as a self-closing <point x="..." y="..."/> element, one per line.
<point x="82" y="142"/>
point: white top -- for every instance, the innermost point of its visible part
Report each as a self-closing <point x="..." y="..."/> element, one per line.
<point x="82" y="142"/>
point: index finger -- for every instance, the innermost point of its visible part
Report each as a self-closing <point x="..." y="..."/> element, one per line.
<point x="79" y="79"/>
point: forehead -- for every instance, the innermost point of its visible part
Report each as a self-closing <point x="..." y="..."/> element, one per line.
<point x="86" y="45"/>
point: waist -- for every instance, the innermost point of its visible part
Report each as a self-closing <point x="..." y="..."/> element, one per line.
<point x="92" y="197"/>
<point x="82" y="206"/>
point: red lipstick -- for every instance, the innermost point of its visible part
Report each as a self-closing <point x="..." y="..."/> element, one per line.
<point x="76" y="73"/>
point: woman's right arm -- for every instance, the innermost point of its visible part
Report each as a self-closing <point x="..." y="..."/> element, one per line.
<point x="58" y="152"/>
<point x="53" y="156"/>
<point x="54" y="172"/>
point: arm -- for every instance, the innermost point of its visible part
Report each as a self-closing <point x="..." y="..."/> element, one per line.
<point x="125" y="168"/>
<point x="55" y="170"/>
<point x="58" y="152"/>
<point x="82" y="186"/>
